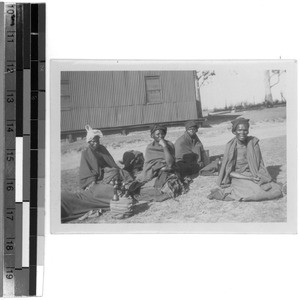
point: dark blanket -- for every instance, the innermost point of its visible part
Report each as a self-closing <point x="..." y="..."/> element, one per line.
<point x="189" y="150"/>
<point x="95" y="166"/>
<point x="133" y="162"/>
<point x="255" y="162"/>
<point x="98" y="166"/>
<point x="154" y="160"/>
<point x="74" y="205"/>
<point x="210" y="169"/>
<point x="189" y="153"/>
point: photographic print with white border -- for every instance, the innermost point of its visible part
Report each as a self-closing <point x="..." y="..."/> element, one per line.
<point x="173" y="185"/>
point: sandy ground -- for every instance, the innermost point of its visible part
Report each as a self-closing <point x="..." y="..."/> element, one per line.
<point x="214" y="136"/>
<point x="269" y="125"/>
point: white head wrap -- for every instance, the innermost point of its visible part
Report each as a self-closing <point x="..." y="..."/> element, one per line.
<point x="91" y="133"/>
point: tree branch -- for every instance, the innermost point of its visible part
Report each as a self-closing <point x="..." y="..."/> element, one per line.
<point x="271" y="85"/>
<point x="204" y="76"/>
<point x="278" y="73"/>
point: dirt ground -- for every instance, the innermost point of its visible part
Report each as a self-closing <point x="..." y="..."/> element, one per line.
<point x="269" y="125"/>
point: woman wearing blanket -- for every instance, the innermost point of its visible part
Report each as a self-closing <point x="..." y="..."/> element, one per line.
<point x="97" y="172"/>
<point x="243" y="175"/>
<point x="158" y="179"/>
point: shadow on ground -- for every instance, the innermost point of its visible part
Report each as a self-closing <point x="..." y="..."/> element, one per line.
<point x="274" y="171"/>
<point x="141" y="207"/>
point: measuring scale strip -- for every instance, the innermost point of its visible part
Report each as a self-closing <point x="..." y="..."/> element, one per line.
<point x="33" y="148"/>
<point x="10" y="108"/>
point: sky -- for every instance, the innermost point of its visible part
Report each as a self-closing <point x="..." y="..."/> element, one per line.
<point x="233" y="85"/>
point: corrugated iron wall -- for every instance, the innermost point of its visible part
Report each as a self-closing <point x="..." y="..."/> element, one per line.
<point x="118" y="98"/>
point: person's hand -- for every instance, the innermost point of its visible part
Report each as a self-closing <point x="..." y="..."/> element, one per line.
<point x="89" y="186"/>
<point x="225" y="185"/>
<point x="255" y="179"/>
<point x="166" y="169"/>
<point x="162" y="142"/>
<point x="201" y="164"/>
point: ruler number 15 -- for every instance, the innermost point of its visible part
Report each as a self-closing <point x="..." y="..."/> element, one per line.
<point x="10" y="156"/>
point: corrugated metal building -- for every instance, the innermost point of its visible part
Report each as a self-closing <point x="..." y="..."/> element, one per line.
<point x="119" y="99"/>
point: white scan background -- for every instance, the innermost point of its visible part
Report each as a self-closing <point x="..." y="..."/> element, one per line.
<point x="171" y="266"/>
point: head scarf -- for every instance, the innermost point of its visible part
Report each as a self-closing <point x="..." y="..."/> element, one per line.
<point x="238" y="121"/>
<point x="155" y="127"/>
<point x="91" y="133"/>
<point x="190" y="124"/>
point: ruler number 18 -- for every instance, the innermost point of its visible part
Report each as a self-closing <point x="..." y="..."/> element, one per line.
<point x="10" y="98"/>
<point x="9" y="245"/>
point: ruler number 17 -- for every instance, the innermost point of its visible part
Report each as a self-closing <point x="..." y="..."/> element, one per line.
<point x="10" y="214"/>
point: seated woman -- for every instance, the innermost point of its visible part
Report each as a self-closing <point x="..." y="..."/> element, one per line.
<point x="158" y="175"/>
<point x="96" y="173"/>
<point x="243" y="175"/>
<point x="159" y="155"/>
<point x="97" y="164"/>
<point x="189" y="151"/>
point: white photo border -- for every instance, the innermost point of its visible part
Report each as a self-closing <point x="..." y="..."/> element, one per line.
<point x="57" y="66"/>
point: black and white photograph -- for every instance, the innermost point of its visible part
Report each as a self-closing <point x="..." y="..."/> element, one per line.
<point x="149" y="150"/>
<point x="173" y="146"/>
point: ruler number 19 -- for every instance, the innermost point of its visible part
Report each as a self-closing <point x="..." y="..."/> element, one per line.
<point x="9" y="274"/>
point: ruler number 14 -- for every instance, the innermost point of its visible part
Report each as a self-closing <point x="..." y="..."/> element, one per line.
<point x="10" y="127"/>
